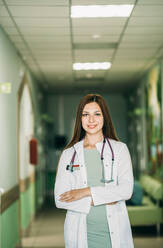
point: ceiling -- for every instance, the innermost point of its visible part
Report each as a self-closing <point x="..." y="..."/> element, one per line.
<point x="50" y="41"/>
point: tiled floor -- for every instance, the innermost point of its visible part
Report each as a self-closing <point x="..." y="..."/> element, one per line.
<point x="47" y="232"/>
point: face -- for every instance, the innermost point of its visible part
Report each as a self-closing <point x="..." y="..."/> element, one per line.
<point x="92" y="118"/>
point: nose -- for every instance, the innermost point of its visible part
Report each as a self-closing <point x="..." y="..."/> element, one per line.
<point x="91" y="118"/>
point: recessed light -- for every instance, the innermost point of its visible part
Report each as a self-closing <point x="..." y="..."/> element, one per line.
<point x="81" y="11"/>
<point x="96" y="36"/>
<point x="92" y="66"/>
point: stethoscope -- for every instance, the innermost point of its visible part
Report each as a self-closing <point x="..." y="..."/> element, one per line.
<point x="71" y="166"/>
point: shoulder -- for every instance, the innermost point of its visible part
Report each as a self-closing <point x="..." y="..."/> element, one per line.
<point x="118" y="146"/>
<point x="70" y="150"/>
<point x="67" y="151"/>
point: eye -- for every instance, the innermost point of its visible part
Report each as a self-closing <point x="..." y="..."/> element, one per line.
<point x="98" y="114"/>
<point x="84" y="115"/>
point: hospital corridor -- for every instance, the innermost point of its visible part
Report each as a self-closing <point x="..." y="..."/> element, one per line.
<point x="54" y="53"/>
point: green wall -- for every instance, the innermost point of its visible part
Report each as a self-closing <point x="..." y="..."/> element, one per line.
<point x="9" y="227"/>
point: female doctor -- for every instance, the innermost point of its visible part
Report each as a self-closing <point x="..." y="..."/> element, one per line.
<point x="94" y="179"/>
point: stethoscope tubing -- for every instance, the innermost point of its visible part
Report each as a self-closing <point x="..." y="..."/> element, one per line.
<point x="70" y="166"/>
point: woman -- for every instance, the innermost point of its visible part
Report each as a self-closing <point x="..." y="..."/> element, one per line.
<point x="93" y="181"/>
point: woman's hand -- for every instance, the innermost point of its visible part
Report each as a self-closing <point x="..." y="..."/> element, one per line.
<point x="75" y="194"/>
<point x="111" y="203"/>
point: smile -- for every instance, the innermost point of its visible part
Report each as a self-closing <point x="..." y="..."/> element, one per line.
<point x="92" y="126"/>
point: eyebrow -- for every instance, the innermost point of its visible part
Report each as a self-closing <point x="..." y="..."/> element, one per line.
<point x="94" y="111"/>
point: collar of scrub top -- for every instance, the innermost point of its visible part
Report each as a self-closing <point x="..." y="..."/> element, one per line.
<point x="71" y="166"/>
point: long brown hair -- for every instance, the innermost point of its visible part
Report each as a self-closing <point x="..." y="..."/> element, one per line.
<point x="108" y="128"/>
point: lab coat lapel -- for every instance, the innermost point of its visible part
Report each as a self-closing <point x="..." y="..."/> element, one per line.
<point x="80" y="154"/>
<point x="107" y="151"/>
<point x="79" y="150"/>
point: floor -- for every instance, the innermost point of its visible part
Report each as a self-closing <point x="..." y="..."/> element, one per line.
<point x="47" y="232"/>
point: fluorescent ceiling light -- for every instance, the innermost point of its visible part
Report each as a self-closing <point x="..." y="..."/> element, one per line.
<point x="92" y="66"/>
<point x="101" y="11"/>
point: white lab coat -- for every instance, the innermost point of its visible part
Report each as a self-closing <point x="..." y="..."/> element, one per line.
<point x="75" y="228"/>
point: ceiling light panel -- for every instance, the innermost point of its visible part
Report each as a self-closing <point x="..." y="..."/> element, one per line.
<point x="94" y="11"/>
<point x="91" y="66"/>
<point x="37" y="2"/>
<point x="37" y="11"/>
<point x="98" y="2"/>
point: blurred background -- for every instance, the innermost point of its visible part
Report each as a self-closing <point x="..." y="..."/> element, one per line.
<point x="51" y="54"/>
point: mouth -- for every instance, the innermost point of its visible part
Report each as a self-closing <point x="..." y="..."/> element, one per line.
<point x="91" y="126"/>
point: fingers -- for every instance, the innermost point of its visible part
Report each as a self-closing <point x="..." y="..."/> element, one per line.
<point x="112" y="203"/>
<point x="66" y="197"/>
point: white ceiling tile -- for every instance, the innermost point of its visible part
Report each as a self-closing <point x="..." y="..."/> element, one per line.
<point x="93" y="59"/>
<point x="44" y="31"/>
<point x="6" y="22"/>
<point x="11" y="30"/>
<point x="121" y="77"/>
<point x="98" y="2"/>
<point x="50" y="59"/>
<point x="53" y="53"/>
<point x="146" y="21"/>
<point x="87" y="39"/>
<point x="148" y="10"/>
<point x="149" y="2"/>
<point x="90" y="74"/>
<point x="52" y="38"/>
<point x="144" y="30"/>
<point x="37" y="2"/>
<point x="136" y="45"/>
<point x="133" y="56"/>
<point x="3" y="12"/>
<point x="98" y="22"/>
<point x="97" y="30"/>
<point x="143" y="38"/>
<point x="136" y="53"/>
<point x="55" y="46"/>
<point x="15" y="38"/>
<point x="20" y="45"/>
<point x="42" y="22"/>
<point x="37" y="11"/>
<point x="119" y="64"/>
<point x="92" y="56"/>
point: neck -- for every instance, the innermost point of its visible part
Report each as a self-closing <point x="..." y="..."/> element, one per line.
<point x="91" y="140"/>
